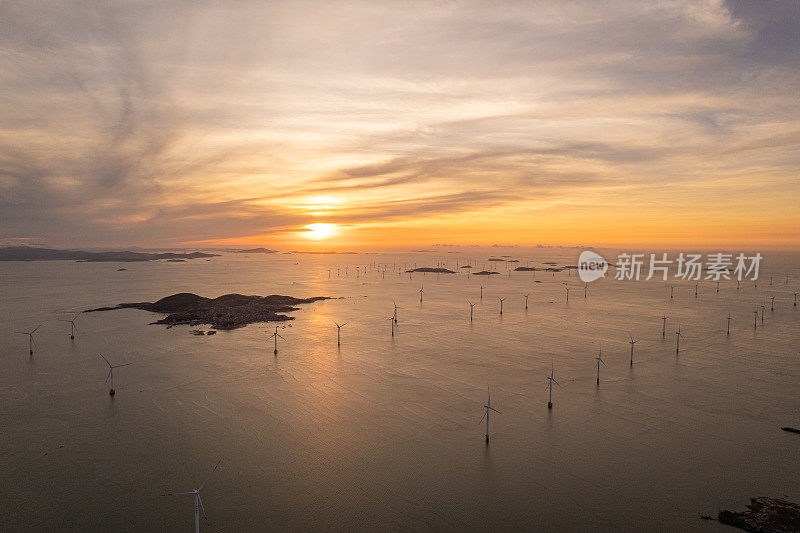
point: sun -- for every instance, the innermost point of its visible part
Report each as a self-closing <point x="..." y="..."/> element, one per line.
<point x="321" y="230"/>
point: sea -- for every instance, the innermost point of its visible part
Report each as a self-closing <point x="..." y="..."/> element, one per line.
<point x="385" y="431"/>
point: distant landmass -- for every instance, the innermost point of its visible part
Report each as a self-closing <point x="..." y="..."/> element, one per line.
<point x="484" y="273"/>
<point x="225" y="312"/>
<point x="431" y="269"/>
<point x="256" y="251"/>
<point x="27" y="253"/>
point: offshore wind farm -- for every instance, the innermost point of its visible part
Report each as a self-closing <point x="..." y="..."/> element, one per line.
<point x="381" y="428"/>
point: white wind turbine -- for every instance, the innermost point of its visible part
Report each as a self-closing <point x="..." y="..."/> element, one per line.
<point x="471" y="306"/>
<point x="339" y="333"/>
<point x="110" y="374"/>
<point x="526" y="301"/>
<point x="488" y="407"/>
<point x="678" y="336"/>
<point x="198" y="502"/>
<point x="31" y="342"/>
<point x="632" y="343"/>
<point x="501" y="304"/>
<point x="275" y="336"/>
<point x="599" y="360"/>
<point x="550" y="380"/>
<point x="72" y="326"/>
<point x="664" y="326"/>
<point x="395" y="311"/>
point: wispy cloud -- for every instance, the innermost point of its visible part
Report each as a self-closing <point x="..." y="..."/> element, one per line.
<point x="160" y="123"/>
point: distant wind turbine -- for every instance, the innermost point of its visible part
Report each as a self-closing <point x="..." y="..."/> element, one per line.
<point x="599" y="360"/>
<point x="664" y="326"/>
<point x="110" y="374"/>
<point x="275" y="336"/>
<point x="550" y="380"/>
<point x="73" y="329"/>
<point x="391" y="318"/>
<point x="526" y="301"/>
<point x="567" y="293"/>
<point x="729" y="324"/>
<point x="421" y="292"/>
<point x="31" y="342"/>
<point x="632" y="343"/>
<point x="395" y="311"/>
<point x="339" y="333"/>
<point x="678" y="340"/>
<point x="198" y="502"/>
<point x="501" y="304"/>
<point x="471" y="305"/>
<point x="488" y="407"/>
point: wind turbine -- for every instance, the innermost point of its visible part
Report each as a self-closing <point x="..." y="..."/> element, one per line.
<point x="755" y="318"/>
<point x="585" y="288"/>
<point x="471" y="305"/>
<point x="567" y="293"/>
<point x="795" y="299"/>
<point x="501" y="304"/>
<point x="110" y="375"/>
<point x="481" y="292"/>
<point x="671" y="291"/>
<point x="392" y="319"/>
<point x="275" y="336"/>
<point x="678" y="340"/>
<point x="729" y="324"/>
<point x="395" y="311"/>
<point x="772" y="303"/>
<point x="339" y="333"/>
<point x="599" y="360"/>
<point x="420" y="294"/>
<point x="488" y="407"/>
<point x="695" y="289"/>
<point x="526" y="301"/>
<point x="31" y="342"/>
<point x="198" y="502"/>
<point x="664" y="326"/>
<point x="632" y="343"/>
<point x="73" y="329"/>
<point x="550" y="380"/>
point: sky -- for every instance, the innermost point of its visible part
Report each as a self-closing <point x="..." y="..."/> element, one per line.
<point x="374" y="125"/>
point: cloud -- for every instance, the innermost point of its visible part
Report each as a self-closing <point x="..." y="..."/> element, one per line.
<point x="157" y="123"/>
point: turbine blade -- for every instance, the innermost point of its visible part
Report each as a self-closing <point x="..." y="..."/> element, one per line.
<point x="107" y="376"/>
<point x="484" y="416"/>
<point x="37" y="327"/>
<point x="126" y="364"/>
<point x="209" y="476"/>
<point x="106" y="360"/>
<point x="495" y="410"/>
<point x="200" y="501"/>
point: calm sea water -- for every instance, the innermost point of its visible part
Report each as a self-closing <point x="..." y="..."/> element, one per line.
<point x="385" y="433"/>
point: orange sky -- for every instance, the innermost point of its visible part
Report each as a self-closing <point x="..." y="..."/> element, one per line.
<point x="324" y="125"/>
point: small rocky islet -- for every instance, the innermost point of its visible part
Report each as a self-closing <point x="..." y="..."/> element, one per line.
<point x="763" y="515"/>
<point x="224" y="312"/>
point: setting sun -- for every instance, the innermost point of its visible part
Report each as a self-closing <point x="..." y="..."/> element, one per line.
<point x="321" y="230"/>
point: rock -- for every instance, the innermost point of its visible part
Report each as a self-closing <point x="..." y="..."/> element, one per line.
<point x="431" y="269"/>
<point x="484" y="273"/>
<point x="122" y="270"/>
<point x="764" y="515"/>
<point x="225" y="312"/>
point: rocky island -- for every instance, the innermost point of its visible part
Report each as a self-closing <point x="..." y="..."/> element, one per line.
<point x="29" y="253"/>
<point x="432" y="269"/>
<point x="225" y="312"/>
<point x="484" y="273"/>
<point x="764" y="515"/>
